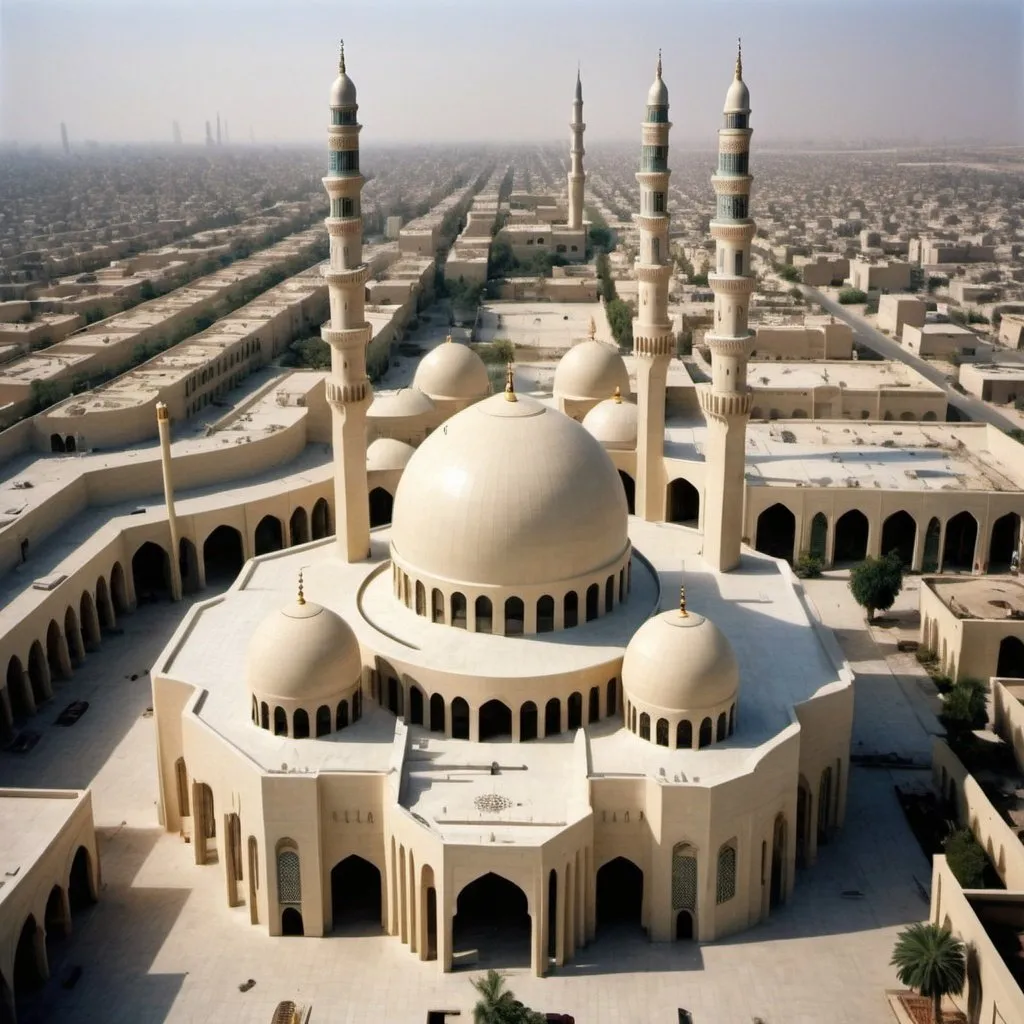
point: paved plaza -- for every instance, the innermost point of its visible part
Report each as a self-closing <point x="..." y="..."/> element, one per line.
<point x="162" y="946"/>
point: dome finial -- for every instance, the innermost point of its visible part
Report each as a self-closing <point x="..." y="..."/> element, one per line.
<point x="341" y="59"/>
<point x="659" y="62"/>
<point x="739" y="60"/>
<point x="618" y="395"/>
<point x="591" y="329"/>
<point x="448" y="340"/>
<point x="682" y="601"/>
<point x="510" y="384"/>
<point x="302" y="596"/>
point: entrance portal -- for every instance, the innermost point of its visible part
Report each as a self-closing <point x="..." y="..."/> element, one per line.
<point x="495" y="720"/>
<point x="492" y="918"/>
<point x="356" y="897"/>
<point x="776" y="532"/>
<point x="620" y="894"/>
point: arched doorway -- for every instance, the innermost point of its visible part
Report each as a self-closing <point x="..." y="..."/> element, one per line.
<point x="460" y="719"/>
<point x="495" y="720"/>
<point x="415" y="705"/>
<point x="437" y="713"/>
<point x="899" y="534"/>
<point x="57" y="657"/>
<point x="818" y="547"/>
<point x="298" y="526"/>
<point x="553" y="717"/>
<point x="28" y="972"/>
<point x="89" y="622"/>
<point x="961" y="539"/>
<point x="56" y="443"/>
<point x="629" y="488"/>
<point x="381" y="503"/>
<point x="291" y="921"/>
<point x="320" y="520"/>
<point x="776" y="532"/>
<point x="574" y="711"/>
<point x="118" y="589"/>
<point x="492" y="917"/>
<point x="188" y="566"/>
<point x="620" y="894"/>
<point x="223" y="555"/>
<point x="19" y="690"/>
<point x="528" y="721"/>
<point x="56" y="923"/>
<point x="683" y="504"/>
<point x="1005" y="542"/>
<point x="73" y="636"/>
<point x="930" y="559"/>
<point x="684" y="925"/>
<point x="269" y="536"/>
<point x="151" y="573"/>
<point x="777" y="894"/>
<point x="356" y="897"/>
<point x="803" y="820"/>
<point x="851" y="538"/>
<point x="38" y="673"/>
<point x="1011" y="658"/>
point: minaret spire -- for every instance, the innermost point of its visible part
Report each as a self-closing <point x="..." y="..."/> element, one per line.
<point x="347" y="332"/>
<point x="726" y="401"/>
<point x="739" y="60"/>
<point x="653" y="335"/>
<point x="577" y="176"/>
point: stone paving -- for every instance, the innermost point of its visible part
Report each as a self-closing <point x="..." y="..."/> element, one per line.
<point x="162" y="946"/>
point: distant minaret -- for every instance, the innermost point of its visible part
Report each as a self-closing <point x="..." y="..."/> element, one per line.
<point x="577" y="177"/>
<point x="64" y="138"/>
<point x="209" y="137"/>
<point x="218" y="128"/>
<point x="227" y="136"/>
<point x="348" y="389"/>
<point x="726" y="402"/>
<point x="176" y="133"/>
<point x="653" y="337"/>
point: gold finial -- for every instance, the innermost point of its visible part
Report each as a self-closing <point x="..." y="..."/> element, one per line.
<point x="659" y="62"/>
<point x="739" y="59"/>
<point x="448" y="340"/>
<point x="302" y="596"/>
<point x="341" y="59"/>
<point x="618" y="395"/>
<point x="682" y="601"/>
<point x="591" y="329"/>
<point x="510" y="385"/>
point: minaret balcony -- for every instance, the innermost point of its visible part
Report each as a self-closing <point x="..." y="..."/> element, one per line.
<point x="724" y="406"/>
<point x="731" y="184"/>
<point x="733" y="347"/>
<point x="653" y="341"/>
<point x="338" y="188"/>
<point x="355" y="276"/>
<point x="727" y="284"/>
<point x="654" y="133"/>
<point x="344" y="227"/>
<point x="653" y="179"/>
<point x="343" y="396"/>
<point x="657" y="223"/>
<point x="742" y="231"/>
<point x="578" y="126"/>
<point x="653" y="273"/>
<point x="347" y="337"/>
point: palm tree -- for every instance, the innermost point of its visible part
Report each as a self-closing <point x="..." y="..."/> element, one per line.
<point x="495" y="1000"/>
<point x="929" y="959"/>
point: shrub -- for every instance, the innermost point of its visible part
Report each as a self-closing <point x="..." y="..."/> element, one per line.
<point x="852" y="296"/>
<point x="966" y="859"/>
<point x="789" y="273"/>
<point x="964" y="707"/>
<point x="808" y="567"/>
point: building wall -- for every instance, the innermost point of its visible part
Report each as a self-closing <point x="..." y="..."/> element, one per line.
<point x="830" y="341"/>
<point x="896" y="310"/>
<point x="1008" y="715"/>
<point x="935" y="344"/>
<point x="978" y="379"/>
<point x="891" y="276"/>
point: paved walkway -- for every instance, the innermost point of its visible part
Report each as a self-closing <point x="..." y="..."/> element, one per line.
<point x="162" y="946"/>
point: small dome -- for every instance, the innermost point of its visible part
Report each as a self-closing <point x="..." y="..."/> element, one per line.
<point x="737" y="99"/>
<point x="509" y="493"/>
<point x="613" y="422"/>
<point x="388" y="454"/>
<point x="657" y="95"/>
<point x="591" y="370"/>
<point x="304" y="653"/>
<point x="400" y="404"/>
<point x="680" y="663"/>
<point x="343" y="92"/>
<point x="451" y="371"/>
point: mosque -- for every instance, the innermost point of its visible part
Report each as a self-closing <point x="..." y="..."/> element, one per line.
<point x="516" y="704"/>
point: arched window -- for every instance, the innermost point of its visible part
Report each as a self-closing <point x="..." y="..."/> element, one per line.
<point x="575" y="711"/>
<point x="280" y="722"/>
<point x="436" y="606"/>
<point x="289" y="879"/>
<point x="483" y="614"/>
<point x="609" y="595"/>
<point x="545" y="614"/>
<point x="725" y="886"/>
<point x="593" y="597"/>
<point x="513" y="616"/>
<point x="323" y="720"/>
<point x="181" y="778"/>
<point x="342" y="715"/>
<point x="684" y="735"/>
<point x="661" y="732"/>
<point x="705" y="733"/>
<point x="645" y="726"/>
<point x="264" y="715"/>
<point x="459" y="610"/>
<point x="421" y="598"/>
<point x="300" y="724"/>
<point x="594" y="705"/>
<point x="612" y="698"/>
<point x="570" y="609"/>
<point x="684" y="877"/>
<point x="723" y="727"/>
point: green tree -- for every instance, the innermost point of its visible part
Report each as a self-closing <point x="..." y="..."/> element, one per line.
<point x="789" y="273"/>
<point x="620" y="320"/>
<point x="876" y="583"/>
<point x="497" y="1004"/>
<point x="600" y="236"/>
<point x="147" y="291"/>
<point x="852" y="296"/>
<point x="965" y="706"/>
<point x="930" y="960"/>
<point x="966" y="859"/>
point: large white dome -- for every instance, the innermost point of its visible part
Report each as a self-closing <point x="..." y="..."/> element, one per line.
<point x="613" y="422"/>
<point x="452" y="371"/>
<point x="509" y="493"/>
<point x="591" y="370"/>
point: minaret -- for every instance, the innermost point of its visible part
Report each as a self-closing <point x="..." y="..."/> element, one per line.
<point x="653" y="337"/>
<point x="348" y="390"/>
<point x="577" y="177"/>
<point x="726" y="401"/>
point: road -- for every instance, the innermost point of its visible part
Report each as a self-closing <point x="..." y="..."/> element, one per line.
<point x="969" y="407"/>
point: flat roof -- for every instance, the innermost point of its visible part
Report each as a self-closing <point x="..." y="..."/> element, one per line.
<point x="1003" y="371"/>
<point x="541" y="325"/>
<point x="980" y="597"/>
<point x="853" y="374"/>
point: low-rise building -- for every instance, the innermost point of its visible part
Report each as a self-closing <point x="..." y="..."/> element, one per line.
<point x="896" y="310"/>
<point x="1000" y="383"/>
<point x="883" y="275"/>
<point x="828" y="339"/>
<point x="940" y="341"/>
<point x="822" y="271"/>
<point x="1011" y="330"/>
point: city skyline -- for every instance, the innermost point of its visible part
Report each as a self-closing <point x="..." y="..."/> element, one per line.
<point x="107" y="73"/>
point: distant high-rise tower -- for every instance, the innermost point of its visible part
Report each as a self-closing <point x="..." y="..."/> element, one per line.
<point x="653" y="336"/>
<point x="176" y="133"/>
<point x="577" y="177"/>
<point x="348" y="389"/>
<point x="726" y="401"/>
<point x="209" y="137"/>
<point x="227" y="137"/>
<point x="218" y="129"/>
<point x="64" y="138"/>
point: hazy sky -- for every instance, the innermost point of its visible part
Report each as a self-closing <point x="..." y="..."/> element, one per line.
<point x="439" y="70"/>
